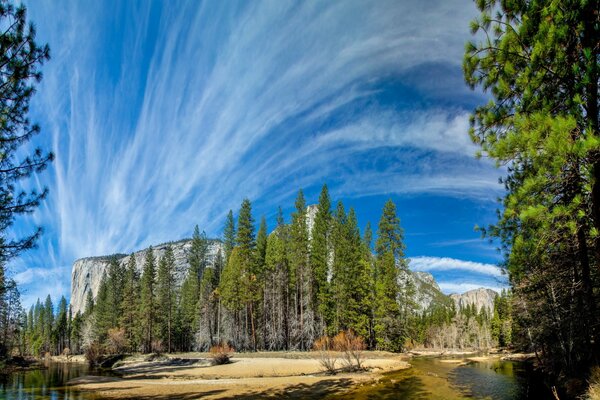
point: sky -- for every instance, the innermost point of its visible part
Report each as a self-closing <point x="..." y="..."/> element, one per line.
<point x="163" y="115"/>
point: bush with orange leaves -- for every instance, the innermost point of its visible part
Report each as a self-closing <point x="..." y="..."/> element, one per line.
<point x="327" y="358"/>
<point x="221" y="353"/>
<point x="352" y="346"/>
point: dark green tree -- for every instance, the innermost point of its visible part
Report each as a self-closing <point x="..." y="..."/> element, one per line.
<point x="389" y="250"/>
<point x="20" y="61"/>
<point x="540" y="63"/>
<point x="130" y="307"/>
<point x="167" y="297"/>
<point x="319" y="260"/>
<point x="148" y="304"/>
<point x="229" y="235"/>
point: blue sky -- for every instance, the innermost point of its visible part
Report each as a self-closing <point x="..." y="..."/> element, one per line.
<point x="163" y="115"/>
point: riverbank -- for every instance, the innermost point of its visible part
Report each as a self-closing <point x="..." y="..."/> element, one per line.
<point x="249" y="375"/>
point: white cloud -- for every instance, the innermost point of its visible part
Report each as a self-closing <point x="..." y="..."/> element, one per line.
<point x="430" y="264"/>
<point x="461" y="287"/>
<point x="171" y="121"/>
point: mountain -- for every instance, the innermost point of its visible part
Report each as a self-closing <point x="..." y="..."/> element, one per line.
<point x="86" y="273"/>
<point x="480" y="297"/>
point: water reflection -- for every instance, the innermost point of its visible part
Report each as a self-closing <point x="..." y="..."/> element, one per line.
<point x="48" y="383"/>
<point x="499" y="380"/>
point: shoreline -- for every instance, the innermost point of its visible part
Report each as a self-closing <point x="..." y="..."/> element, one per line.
<point x="189" y="375"/>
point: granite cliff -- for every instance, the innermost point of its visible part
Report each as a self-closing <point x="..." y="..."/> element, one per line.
<point x="480" y="297"/>
<point x="86" y="273"/>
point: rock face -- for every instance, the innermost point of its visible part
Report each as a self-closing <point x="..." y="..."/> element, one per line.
<point x="426" y="290"/>
<point x="480" y="297"/>
<point x="86" y="273"/>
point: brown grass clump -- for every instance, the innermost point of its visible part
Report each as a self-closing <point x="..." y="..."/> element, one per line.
<point x="221" y="354"/>
<point x="593" y="392"/>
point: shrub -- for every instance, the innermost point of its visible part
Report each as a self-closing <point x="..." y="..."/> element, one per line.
<point x="327" y="358"/>
<point x="117" y="342"/>
<point x="94" y="353"/>
<point x="221" y="354"/>
<point x="352" y="346"/>
<point x="67" y="353"/>
<point x="157" y="346"/>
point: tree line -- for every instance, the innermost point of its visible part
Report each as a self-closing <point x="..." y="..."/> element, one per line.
<point x="311" y="278"/>
<point x="273" y="291"/>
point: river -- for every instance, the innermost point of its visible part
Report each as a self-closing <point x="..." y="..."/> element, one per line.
<point x="429" y="378"/>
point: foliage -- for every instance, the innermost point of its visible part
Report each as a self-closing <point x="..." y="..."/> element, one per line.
<point x="327" y="357"/>
<point x="352" y="346"/>
<point x="540" y="63"/>
<point x="221" y="354"/>
<point x="94" y="354"/>
<point x="20" y="60"/>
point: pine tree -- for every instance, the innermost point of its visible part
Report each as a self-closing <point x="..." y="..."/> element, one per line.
<point x="166" y="299"/>
<point x="21" y="59"/>
<point x="246" y="243"/>
<point x="103" y="312"/>
<point x="229" y="235"/>
<point x="89" y="303"/>
<point x="319" y="260"/>
<point x="231" y="293"/>
<point x="277" y="286"/>
<point x="114" y="298"/>
<point x="62" y="325"/>
<point x="130" y="306"/>
<point x="389" y="250"/>
<point x="197" y="255"/>
<point x="261" y="243"/>
<point x="539" y="61"/>
<point x="148" y="301"/>
<point x="302" y="329"/>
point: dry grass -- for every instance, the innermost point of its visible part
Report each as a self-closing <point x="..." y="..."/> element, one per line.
<point x="594" y="389"/>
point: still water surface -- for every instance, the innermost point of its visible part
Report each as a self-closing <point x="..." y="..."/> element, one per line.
<point x="429" y="378"/>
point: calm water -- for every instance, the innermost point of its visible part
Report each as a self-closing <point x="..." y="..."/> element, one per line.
<point x="429" y="378"/>
<point x="46" y="383"/>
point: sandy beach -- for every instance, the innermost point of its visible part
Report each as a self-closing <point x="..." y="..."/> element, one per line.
<point x="250" y="375"/>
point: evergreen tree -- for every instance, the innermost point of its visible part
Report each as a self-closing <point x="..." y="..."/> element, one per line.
<point x="48" y="321"/>
<point x="166" y="299"/>
<point x="103" y="312"/>
<point x="539" y="61"/>
<point x="261" y="243"/>
<point x="89" y="302"/>
<point x="389" y="249"/>
<point x="62" y="325"/>
<point x="130" y="305"/>
<point x="114" y="295"/>
<point x="197" y="255"/>
<point x="229" y="235"/>
<point x="187" y="315"/>
<point x="276" y="288"/>
<point x="319" y="260"/>
<point x="302" y="328"/>
<point x="148" y="306"/>
<point x="246" y="243"/>
<point x="21" y="58"/>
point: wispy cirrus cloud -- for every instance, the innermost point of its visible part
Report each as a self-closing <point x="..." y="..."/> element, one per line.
<point x="164" y="116"/>
<point x="429" y="264"/>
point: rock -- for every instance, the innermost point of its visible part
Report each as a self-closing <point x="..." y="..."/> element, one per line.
<point x="86" y="273"/>
<point x="426" y="289"/>
<point x="480" y="297"/>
